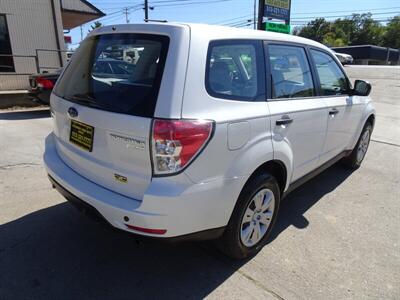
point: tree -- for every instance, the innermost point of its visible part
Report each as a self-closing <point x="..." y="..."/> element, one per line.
<point x="332" y="40"/>
<point x="96" y="24"/>
<point x="359" y="29"/>
<point x="315" y="30"/>
<point x="368" y="31"/>
<point x="391" y="37"/>
<point x="344" y="29"/>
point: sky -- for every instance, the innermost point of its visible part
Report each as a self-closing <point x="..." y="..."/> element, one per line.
<point x="231" y="12"/>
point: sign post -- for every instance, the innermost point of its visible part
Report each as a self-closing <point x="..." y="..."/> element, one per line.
<point x="274" y="9"/>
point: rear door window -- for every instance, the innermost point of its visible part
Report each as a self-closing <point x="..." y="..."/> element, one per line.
<point x="116" y="72"/>
<point x="290" y="72"/>
<point x="234" y="70"/>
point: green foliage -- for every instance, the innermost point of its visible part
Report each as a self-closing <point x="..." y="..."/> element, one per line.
<point x="333" y="40"/>
<point x="368" y="31"/>
<point x="359" y="29"/>
<point x="96" y="24"/>
<point x="315" y="30"/>
<point x="391" y="37"/>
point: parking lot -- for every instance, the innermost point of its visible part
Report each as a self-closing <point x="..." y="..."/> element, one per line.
<point x="337" y="237"/>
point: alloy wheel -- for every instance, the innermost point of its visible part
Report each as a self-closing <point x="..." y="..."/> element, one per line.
<point x="363" y="145"/>
<point x="257" y="217"/>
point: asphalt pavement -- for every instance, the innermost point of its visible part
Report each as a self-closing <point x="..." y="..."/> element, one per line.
<point x="337" y="237"/>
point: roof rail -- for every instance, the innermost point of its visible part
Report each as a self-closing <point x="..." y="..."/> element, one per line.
<point x="158" y="21"/>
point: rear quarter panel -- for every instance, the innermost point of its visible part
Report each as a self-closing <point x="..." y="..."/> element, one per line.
<point x="368" y="109"/>
<point x="242" y="137"/>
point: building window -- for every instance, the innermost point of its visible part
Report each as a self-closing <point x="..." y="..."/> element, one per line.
<point x="6" y="62"/>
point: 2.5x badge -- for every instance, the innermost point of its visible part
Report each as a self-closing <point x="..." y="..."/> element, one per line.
<point x="129" y="141"/>
<point x="121" y="178"/>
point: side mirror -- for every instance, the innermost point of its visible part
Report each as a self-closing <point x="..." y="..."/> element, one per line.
<point x="361" y="88"/>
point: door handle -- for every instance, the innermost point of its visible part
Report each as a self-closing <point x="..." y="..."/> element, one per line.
<point x="333" y="112"/>
<point x="284" y="121"/>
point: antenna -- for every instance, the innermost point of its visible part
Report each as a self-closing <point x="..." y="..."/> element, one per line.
<point x="157" y="21"/>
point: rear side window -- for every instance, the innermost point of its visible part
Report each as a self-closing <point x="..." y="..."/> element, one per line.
<point x="290" y="72"/>
<point x="331" y="77"/>
<point x="234" y="70"/>
<point x="116" y="72"/>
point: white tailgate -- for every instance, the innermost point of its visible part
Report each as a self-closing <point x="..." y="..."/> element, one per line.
<point x="120" y="147"/>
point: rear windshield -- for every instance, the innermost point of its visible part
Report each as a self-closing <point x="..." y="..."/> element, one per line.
<point x="116" y="72"/>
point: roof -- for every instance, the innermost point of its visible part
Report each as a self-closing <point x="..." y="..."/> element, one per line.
<point x="210" y="32"/>
<point x="82" y="6"/>
<point x="78" y="12"/>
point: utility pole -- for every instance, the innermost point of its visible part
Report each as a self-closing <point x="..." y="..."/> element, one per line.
<point x="254" y="16"/>
<point x="260" y="15"/>
<point x="146" y="10"/>
<point x="126" y="12"/>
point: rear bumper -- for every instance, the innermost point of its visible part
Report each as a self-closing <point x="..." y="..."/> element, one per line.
<point x="89" y="210"/>
<point x="42" y="96"/>
<point x="185" y="211"/>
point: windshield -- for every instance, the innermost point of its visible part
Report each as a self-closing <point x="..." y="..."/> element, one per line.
<point x="116" y="72"/>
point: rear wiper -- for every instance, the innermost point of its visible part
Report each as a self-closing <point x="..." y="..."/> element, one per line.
<point x="83" y="97"/>
<point x="87" y="103"/>
<point x="87" y="100"/>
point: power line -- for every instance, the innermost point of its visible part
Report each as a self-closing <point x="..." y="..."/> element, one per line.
<point x="189" y="3"/>
<point x="179" y="1"/>
<point x="343" y="16"/>
<point x="160" y="4"/>
<point x="239" y="22"/>
<point x="305" y="23"/>
<point x="231" y="19"/>
<point x="334" y="19"/>
<point x="224" y="22"/>
<point x="114" y="18"/>
<point x="122" y="10"/>
<point x="346" y="11"/>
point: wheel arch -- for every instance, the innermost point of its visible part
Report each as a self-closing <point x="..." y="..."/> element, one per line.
<point x="371" y="119"/>
<point x="277" y="169"/>
<point x="369" y="115"/>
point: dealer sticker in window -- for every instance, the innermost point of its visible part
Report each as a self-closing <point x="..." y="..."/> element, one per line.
<point x="82" y="135"/>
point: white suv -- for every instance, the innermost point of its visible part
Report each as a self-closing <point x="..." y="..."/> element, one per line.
<point x="202" y="134"/>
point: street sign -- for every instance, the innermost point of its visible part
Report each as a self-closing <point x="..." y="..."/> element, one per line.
<point x="67" y="39"/>
<point x="277" y="9"/>
<point x="276" y="27"/>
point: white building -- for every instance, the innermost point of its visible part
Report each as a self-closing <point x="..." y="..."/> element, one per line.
<point x="32" y="31"/>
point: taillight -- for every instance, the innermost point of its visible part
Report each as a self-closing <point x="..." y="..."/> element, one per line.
<point x="44" y="83"/>
<point x="175" y="143"/>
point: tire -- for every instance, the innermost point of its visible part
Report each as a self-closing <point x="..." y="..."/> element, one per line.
<point x="355" y="158"/>
<point x="234" y="242"/>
